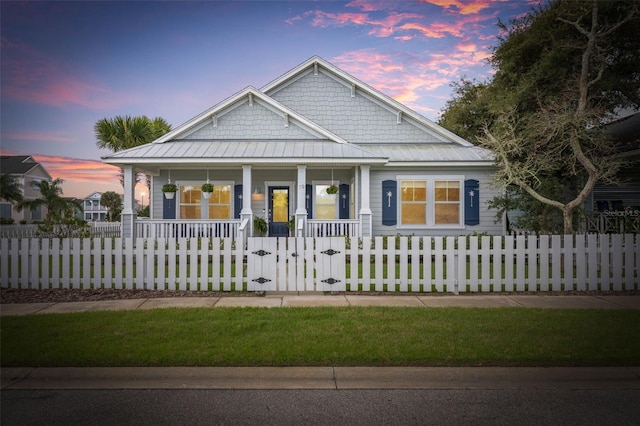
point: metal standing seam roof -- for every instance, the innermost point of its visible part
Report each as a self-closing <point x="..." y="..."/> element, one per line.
<point x="246" y="150"/>
<point x="430" y="152"/>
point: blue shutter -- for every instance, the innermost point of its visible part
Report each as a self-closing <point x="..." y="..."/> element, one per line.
<point x="169" y="207"/>
<point x="309" y="201"/>
<point x="471" y="202"/>
<point x="389" y="202"/>
<point x="5" y="211"/>
<point x="343" y="200"/>
<point x="237" y="200"/>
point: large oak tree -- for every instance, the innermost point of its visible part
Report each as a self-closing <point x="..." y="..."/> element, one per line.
<point x="562" y="71"/>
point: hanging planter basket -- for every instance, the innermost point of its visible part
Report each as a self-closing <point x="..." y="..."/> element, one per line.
<point x="333" y="189"/>
<point x="207" y="190"/>
<point x="169" y="190"/>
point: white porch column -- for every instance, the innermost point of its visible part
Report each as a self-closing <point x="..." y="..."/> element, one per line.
<point x="246" y="212"/>
<point x="128" y="214"/>
<point x="365" y="210"/>
<point x="301" y="209"/>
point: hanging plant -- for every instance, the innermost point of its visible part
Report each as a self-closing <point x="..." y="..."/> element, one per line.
<point x="169" y="187"/>
<point x="207" y="189"/>
<point x="169" y="190"/>
<point x="333" y="189"/>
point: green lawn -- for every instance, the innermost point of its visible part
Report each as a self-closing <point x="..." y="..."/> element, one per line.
<point x="353" y="336"/>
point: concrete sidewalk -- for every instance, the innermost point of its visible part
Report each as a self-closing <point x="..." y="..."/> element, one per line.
<point x="311" y="300"/>
<point x="321" y="378"/>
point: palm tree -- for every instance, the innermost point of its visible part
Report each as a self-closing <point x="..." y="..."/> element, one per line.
<point x="51" y="198"/>
<point x="112" y="201"/>
<point x="10" y="189"/>
<point x="126" y="132"/>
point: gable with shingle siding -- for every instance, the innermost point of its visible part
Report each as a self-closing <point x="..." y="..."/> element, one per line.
<point x="358" y="118"/>
<point x="247" y="121"/>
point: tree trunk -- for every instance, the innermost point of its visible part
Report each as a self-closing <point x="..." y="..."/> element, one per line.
<point x="567" y="220"/>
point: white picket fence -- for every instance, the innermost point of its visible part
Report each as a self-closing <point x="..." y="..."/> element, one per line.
<point x="396" y="264"/>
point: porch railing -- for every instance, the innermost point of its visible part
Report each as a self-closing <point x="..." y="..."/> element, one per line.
<point x="170" y="228"/>
<point x="613" y="222"/>
<point x="333" y="228"/>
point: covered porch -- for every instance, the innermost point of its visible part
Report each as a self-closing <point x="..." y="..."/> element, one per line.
<point x="322" y="191"/>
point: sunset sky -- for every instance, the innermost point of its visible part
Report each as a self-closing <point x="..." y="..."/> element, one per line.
<point x="65" y="65"/>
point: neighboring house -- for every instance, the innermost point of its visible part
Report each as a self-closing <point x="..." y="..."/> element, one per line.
<point x="626" y="137"/>
<point x="93" y="211"/>
<point x="28" y="173"/>
<point x="615" y="208"/>
<point x="273" y="153"/>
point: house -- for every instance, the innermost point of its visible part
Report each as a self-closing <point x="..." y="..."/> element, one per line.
<point x="625" y="135"/>
<point x="616" y="207"/>
<point x="92" y="210"/>
<point x="28" y="173"/>
<point x="273" y="153"/>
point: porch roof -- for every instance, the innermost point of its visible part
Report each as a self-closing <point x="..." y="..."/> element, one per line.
<point x="431" y="154"/>
<point x="232" y="152"/>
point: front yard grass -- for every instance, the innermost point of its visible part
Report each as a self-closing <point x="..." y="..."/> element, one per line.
<point x="354" y="336"/>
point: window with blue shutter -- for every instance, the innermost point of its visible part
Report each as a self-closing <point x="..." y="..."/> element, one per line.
<point x="237" y="200"/>
<point x="343" y="200"/>
<point x="471" y="202"/>
<point x="308" y="202"/>
<point x="389" y="202"/>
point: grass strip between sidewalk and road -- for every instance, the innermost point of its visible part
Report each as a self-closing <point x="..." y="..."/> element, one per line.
<point x="325" y="336"/>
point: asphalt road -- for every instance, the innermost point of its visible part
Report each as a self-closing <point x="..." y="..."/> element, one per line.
<point x="321" y="407"/>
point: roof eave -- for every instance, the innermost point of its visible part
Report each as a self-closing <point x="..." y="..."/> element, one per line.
<point x="440" y="164"/>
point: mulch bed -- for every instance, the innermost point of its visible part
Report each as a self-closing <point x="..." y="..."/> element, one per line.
<point x="8" y="296"/>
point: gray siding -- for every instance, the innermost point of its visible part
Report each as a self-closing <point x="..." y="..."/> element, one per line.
<point x="357" y="119"/>
<point x="249" y="122"/>
<point x="487" y="192"/>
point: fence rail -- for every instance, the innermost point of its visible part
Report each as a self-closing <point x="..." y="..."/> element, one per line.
<point x="396" y="264"/>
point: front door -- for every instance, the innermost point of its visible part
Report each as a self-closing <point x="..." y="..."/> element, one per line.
<point x="278" y="211"/>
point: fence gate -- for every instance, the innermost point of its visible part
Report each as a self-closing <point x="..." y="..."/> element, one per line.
<point x="330" y="264"/>
<point x="276" y="264"/>
<point x="296" y="264"/>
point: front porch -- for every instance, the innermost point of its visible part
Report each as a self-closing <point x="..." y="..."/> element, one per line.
<point x="252" y="200"/>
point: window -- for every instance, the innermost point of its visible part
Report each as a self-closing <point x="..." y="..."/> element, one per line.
<point x="190" y="202"/>
<point x="447" y="202"/>
<point x="413" y="202"/>
<point x="220" y="202"/>
<point x="325" y="204"/>
<point x="430" y="201"/>
<point x="36" y="213"/>
<point x="193" y="206"/>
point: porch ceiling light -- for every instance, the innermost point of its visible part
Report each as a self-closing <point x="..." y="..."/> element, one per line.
<point x="257" y="194"/>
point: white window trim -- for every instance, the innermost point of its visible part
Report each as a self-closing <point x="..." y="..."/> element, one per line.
<point x="430" y="180"/>
<point x="198" y="184"/>
<point x="337" y="201"/>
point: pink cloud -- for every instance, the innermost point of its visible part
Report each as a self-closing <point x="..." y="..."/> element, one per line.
<point x="433" y="30"/>
<point x="465" y="7"/>
<point x="80" y="176"/>
<point x="79" y="170"/>
<point x="36" y="77"/>
<point x="406" y="26"/>
<point x="415" y="80"/>
<point x="364" y="5"/>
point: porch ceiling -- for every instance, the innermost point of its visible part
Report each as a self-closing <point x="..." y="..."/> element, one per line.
<point x="234" y="152"/>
